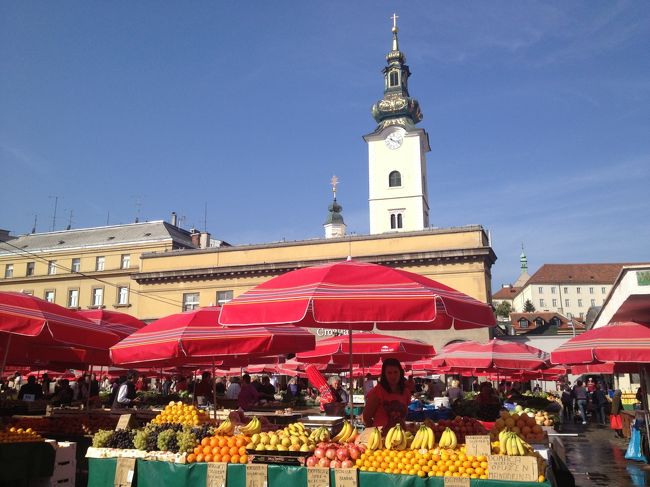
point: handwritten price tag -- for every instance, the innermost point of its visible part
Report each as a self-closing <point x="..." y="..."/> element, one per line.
<point x="256" y="475"/>
<point x="478" y="445"/>
<point x="318" y="477"/>
<point x="124" y="471"/>
<point x="503" y="467"/>
<point x="346" y="477"/>
<point x="217" y="473"/>
<point x="456" y="482"/>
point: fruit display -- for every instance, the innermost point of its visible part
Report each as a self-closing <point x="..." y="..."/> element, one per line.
<point x="542" y="418"/>
<point x="628" y="398"/>
<point x="295" y="438"/>
<point x="181" y="413"/>
<point x="335" y="455"/>
<point x="220" y="448"/>
<point x="396" y="438"/>
<point x="347" y="433"/>
<point x="64" y="425"/>
<point x="524" y="425"/>
<point x="460" y="425"/>
<point x="448" y="439"/>
<point x="253" y="427"/>
<point x="19" y="435"/>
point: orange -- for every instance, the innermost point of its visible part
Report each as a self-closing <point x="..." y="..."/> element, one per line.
<point x="222" y="441"/>
<point x="240" y="442"/>
<point x="207" y="449"/>
<point x="199" y="457"/>
<point x="231" y="442"/>
<point x="214" y="442"/>
<point x="224" y="450"/>
<point x="242" y="450"/>
<point x="191" y="458"/>
<point x="205" y="441"/>
<point x="197" y="450"/>
<point x="233" y="450"/>
<point x="216" y="450"/>
<point x="234" y="458"/>
<point x="216" y="457"/>
<point x="244" y="459"/>
<point x="207" y="457"/>
<point x="225" y="458"/>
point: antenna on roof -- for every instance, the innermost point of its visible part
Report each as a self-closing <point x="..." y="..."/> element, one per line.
<point x="34" y="227"/>
<point x="69" y="221"/>
<point x="56" y="203"/>
<point x="138" y="205"/>
<point x="205" y="217"/>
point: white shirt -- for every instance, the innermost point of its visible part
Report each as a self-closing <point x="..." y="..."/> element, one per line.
<point x="121" y="394"/>
<point x="233" y="391"/>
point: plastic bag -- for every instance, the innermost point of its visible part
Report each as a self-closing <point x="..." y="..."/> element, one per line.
<point x="634" y="451"/>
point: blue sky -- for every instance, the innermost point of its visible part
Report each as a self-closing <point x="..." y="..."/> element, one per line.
<point x="538" y="115"/>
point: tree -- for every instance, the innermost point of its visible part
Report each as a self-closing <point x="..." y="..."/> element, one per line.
<point x="503" y="309"/>
<point x="529" y="307"/>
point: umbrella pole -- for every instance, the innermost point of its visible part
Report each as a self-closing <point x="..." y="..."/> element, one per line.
<point x="350" y="384"/>
<point x="214" y="391"/>
<point x="4" y="358"/>
<point x="90" y="380"/>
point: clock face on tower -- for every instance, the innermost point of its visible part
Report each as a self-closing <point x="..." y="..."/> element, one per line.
<point x="394" y="140"/>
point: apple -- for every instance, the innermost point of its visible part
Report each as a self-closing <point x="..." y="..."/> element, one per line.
<point x="347" y="464"/>
<point x="323" y="462"/>
<point x="330" y="453"/>
<point x="312" y="461"/>
<point x="335" y="464"/>
<point x="342" y="453"/>
<point x="319" y="453"/>
<point x="354" y="452"/>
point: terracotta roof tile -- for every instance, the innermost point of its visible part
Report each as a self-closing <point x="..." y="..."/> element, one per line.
<point x="506" y="293"/>
<point x="576" y="273"/>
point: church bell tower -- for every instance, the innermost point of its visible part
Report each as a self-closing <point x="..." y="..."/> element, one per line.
<point x="397" y="150"/>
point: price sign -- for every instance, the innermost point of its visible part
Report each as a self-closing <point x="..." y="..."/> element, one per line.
<point x="256" y="475"/>
<point x="124" y="471"/>
<point x="477" y="445"/>
<point x="216" y="476"/>
<point x="345" y="477"/>
<point x="318" y="477"/>
<point x="504" y="467"/>
<point x="124" y="422"/>
<point x="456" y="482"/>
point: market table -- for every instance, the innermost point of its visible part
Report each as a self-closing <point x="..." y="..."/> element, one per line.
<point x="24" y="461"/>
<point x="155" y="474"/>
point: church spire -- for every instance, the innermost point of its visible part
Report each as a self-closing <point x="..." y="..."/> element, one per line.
<point x="523" y="260"/>
<point x="334" y="224"/>
<point x="396" y="107"/>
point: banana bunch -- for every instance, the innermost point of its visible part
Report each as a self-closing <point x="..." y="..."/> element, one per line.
<point x="297" y="429"/>
<point x="320" y="434"/>
<point x="347" y="433"/>
<point x="254" y="426"/>
<point x="225" y="428"/>
<point x="395" y="438"/>
<point x="448" y="439"/>
<point x="374" y="443"/>
<point x="511" y="444"/>
<point x="424" y="438"/>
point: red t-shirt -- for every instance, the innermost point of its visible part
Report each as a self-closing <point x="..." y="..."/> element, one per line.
<point x="391" y="407"/>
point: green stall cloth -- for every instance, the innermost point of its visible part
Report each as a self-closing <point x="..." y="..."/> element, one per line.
<point x="157" y="474"/>
<point x="23" y="461"/>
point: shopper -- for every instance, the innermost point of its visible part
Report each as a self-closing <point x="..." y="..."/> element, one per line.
<point x="615" y="421"/>
<point x="580" y="395"/>
<point x="388" y="401"/>
<point x="600" y="402"/>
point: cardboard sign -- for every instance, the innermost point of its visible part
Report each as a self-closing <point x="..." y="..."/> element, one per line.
<point x="256" y="475"/>
<point x="318" y="477"/>
<point x="124" y="471"/>
<point x="216" y="476"/>
<point x="504" y="467"/>
<point x="478" y="445"/>
<point x="346" y="477"/>
<point x="456" y="482"/>
<point x="365" y="436"/>
<point x="125" y="421"/>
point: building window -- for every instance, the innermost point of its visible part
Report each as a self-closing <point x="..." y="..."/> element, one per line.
<point x="579" y="303"/>
<point x="567" y="303"/>
<point x="539" y="322"/>
<point x="76" y="265"/>
<point x="395" y="221"/>
<point x="73" y="298"/>
<point x="577" y="290"/>
<point x="393" y="78"/>
<point x="223" y="297"/>
<point x="593" y="302"/>
<point x="125" y="263"/>
<point x="30" y="269"/>
<point x="591" y="290"/>
<point x="555" y="303"/>
<point x="541" y="303"/>
<point x="51" y="267"/>
<point x="98" y="296"/>
<point x="99" y="263"/>
<point x="122" y="295"/>
<point x="523" y="323"/>
<point x="540" y="290"/>
<point x="9" y="270"/>
<point x="190" y="301"/>
<point x="566" y="290"/>
<point x="49" y="296"/>
<point x="555" y="321"/>
<point x="602" y="290"/>
<point x="394" y="179"/>
<point x="552" y="289"/>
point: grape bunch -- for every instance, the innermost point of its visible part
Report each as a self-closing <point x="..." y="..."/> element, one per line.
<point x="187" y="441"/>
<point x="102" y="438"/>
<point x="121" y="439"/>
<point x="166" y="440"/>
<point x="204" y="431"/>
<point x="140" y="439"/>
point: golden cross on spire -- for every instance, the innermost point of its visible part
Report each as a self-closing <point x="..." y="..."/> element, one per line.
<point x="395" y="17"/>
<point x="334" y="182"/>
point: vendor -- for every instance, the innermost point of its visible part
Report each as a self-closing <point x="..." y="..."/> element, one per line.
<point x="203" y="389"/>
<point x="248" y="395"/>
<point x="126" y="393"/>
<point x="32" y="390"/>
<point x="488" y="402"/>
<point x="387" y="402"/>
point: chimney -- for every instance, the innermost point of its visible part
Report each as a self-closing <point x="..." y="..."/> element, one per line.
<point x="174" y="219"/>
<point x="205" y="240"/>
<point x="196" y="238"/>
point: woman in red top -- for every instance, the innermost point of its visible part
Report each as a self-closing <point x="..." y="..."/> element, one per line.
<point x="387" y="402"/>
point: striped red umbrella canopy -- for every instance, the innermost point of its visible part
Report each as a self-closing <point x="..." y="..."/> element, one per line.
<point x="358" y="296"/>
<point x="195" y="336"/>
<point x="121" y="324"/>
<point x="491" y="356"/>
<point x="368" y="349"/>
<point x="623" y="342"/>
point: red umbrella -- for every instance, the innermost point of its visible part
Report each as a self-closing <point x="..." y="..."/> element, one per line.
<point x="369" y="349"/>
<point x="359" y="296"/>
<point x="604" y="368"/>
<point x="493" y="355"/>
<point x="121" y="324"/>
<point x="194" y="335"/>
<point x="626" y="342"/>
